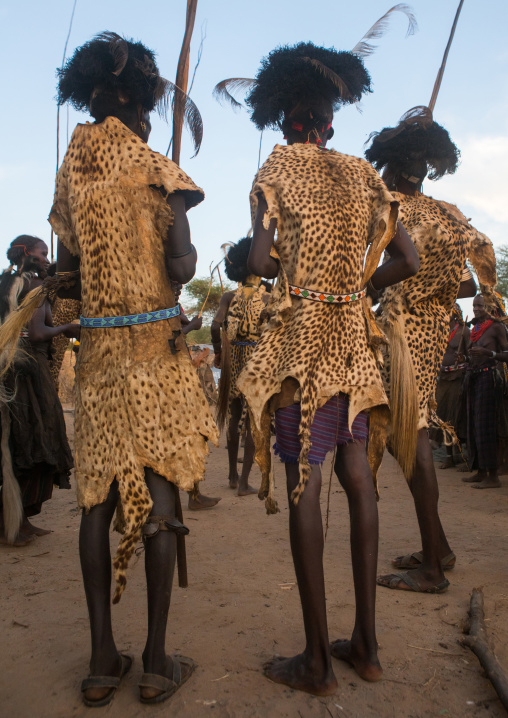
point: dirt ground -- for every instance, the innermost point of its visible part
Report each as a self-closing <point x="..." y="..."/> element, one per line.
<point x="242" y="607"/>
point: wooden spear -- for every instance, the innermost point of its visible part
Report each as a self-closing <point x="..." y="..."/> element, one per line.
<point x="182" y="78"/>
<point x="440" y="74"/>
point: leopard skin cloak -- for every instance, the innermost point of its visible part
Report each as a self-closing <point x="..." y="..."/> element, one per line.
<point x="444" y="240"/>
<point x="334" y="219"/>
<point x="138" y="399"/>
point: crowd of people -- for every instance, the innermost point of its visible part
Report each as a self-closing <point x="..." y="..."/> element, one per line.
<point x="304" y="357"/>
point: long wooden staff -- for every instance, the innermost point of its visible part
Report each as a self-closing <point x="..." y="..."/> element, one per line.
<point x="182" y="78"/>
<point x="440" y="74"/>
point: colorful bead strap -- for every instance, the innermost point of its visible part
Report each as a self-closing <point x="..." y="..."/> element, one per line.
<point x="454" y="367"/>
<point x="325" y="297"/>
<point x="243" y="344"/>
<point x="130" y="319"/>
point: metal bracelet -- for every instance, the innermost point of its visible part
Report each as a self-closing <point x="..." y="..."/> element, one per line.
<point x="182" y="254"/>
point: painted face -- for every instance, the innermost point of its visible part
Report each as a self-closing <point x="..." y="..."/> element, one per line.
<point x="479" y="310"/>
<point x="40" y="254"/>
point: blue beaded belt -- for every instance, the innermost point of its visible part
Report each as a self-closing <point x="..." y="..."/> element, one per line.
<point x="243" y="344"/>
<point x="326" y="297"/>
<point x="130" y="319"/>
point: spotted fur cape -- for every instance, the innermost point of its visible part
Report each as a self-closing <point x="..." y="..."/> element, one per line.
<point x="138" y="399"/>
<point x="334" y="219"/>
<point x="422" y="304"/>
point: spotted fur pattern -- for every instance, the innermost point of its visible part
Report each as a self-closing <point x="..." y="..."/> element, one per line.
<point x="444" y="240"/>
<point x="333" y="212"/>
<point x="138" y="399"/>
<point x="63" y="311"/>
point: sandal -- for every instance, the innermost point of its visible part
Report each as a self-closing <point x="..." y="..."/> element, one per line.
<point x="415" y="560"/>
<point x="394" y="580"/>
<point x="111" y="682"/>
<point x="166" y="686"/>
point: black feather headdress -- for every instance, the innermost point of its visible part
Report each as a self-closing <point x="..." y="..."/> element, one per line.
<point x="416" y="142"/>
<point x="306" y="75"/>
<point x="108" y="65"/>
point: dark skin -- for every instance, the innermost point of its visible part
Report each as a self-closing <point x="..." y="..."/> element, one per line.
<point x="454" y="354"/>
<point x="312" y="671"/>
<point x="240" y="484"/>
<point x="492" y="345"/>
<point x="40" y="329"/>
<point x="423" y="483"/>
<point x="160" y="551"/>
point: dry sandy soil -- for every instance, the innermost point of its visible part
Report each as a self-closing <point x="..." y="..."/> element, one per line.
<point x="242" y="607"/>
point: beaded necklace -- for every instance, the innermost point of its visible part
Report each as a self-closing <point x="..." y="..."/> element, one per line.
<point x="479" y="329"/>
<point x="452" y="334"/>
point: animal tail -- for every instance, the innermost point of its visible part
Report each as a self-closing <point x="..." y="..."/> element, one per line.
<point x="403" y="400"/>
<point x="11" y="494"/>
<point x="225" y="381"/>
<point x="11" y="328"/>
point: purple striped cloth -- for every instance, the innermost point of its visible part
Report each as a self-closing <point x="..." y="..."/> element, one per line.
<point x="329" y="428"/>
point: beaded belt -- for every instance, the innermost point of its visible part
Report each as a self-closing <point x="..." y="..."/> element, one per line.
<point x="243" y="344"/>
<point x="478" y="370"/>
<point x="455" y="367"/>
<point x="325" y="297"/>
<point x="130" y="319"/>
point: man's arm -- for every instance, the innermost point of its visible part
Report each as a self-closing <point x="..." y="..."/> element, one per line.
<point x="67" y="262"/>
<point x="181" y="255"/>
<point x="501" y="352"/>
<point x="260" y="262"/>
<point x="217" y="323"/>
<point x="402" y="264"/>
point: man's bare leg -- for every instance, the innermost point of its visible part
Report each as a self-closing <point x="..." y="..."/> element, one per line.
<point x="435" y="546"/>
<point x="450" y="461"/>
<point x="244" y="489"/>
<point x="233" y="440"/>
<point x="352" y="469"/>
<point x="95" y="556"/>
<point x="310" y="671"/>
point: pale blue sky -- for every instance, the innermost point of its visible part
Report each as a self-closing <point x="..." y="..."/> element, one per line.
<point x="473" y="103"/>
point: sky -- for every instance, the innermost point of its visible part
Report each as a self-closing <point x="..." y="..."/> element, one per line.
<point x="472" y="104"/>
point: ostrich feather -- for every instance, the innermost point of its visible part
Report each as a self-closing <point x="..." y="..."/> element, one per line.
<point x="118" y="48"/>
<point x="330" y="75"/>
<point x="364" y="48"/>
<point x="166" y="94"/>
<point x="222" y="91"/>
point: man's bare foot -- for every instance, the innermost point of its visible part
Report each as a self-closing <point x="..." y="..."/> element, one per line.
<point x="298" y="674"/>
<point x="367" y="666"/>
<point x="30" y="529"/>
<point x="449" y="463"/>
<point x="473" y="479"/>
<point x="233" y="482"/>
<point x="488" y="484"/>
<point x="246" y="490"/>
<point x="200" y="501"/>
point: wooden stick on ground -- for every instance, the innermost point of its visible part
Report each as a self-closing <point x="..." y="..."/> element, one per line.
<point x="477" y="641"/>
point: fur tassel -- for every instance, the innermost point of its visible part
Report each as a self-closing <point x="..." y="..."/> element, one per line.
<point x="11" y="494"/>
<point x="225" y="381"/>
<point x="403" y="400"/>
<point x="11" y="328"/>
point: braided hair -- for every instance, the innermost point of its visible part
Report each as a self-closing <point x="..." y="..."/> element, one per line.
<point x="12" y="282"/>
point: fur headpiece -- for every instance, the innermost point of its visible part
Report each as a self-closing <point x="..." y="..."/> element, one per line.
<point x="306" y="79"/>
<point x="108" y="65"/>
<point x="236" y="260"/>
<point x="415" y="146"/>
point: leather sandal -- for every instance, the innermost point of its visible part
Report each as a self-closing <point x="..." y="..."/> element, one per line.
<point x="166" y="686"/>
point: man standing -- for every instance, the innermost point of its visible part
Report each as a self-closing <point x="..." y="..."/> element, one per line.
<point x="489" y="344"/>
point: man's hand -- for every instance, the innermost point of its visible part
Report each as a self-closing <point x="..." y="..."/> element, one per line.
<point x="72" y="331"/>
<point x="216" y="360"/>
<point x="480" y="352"/>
